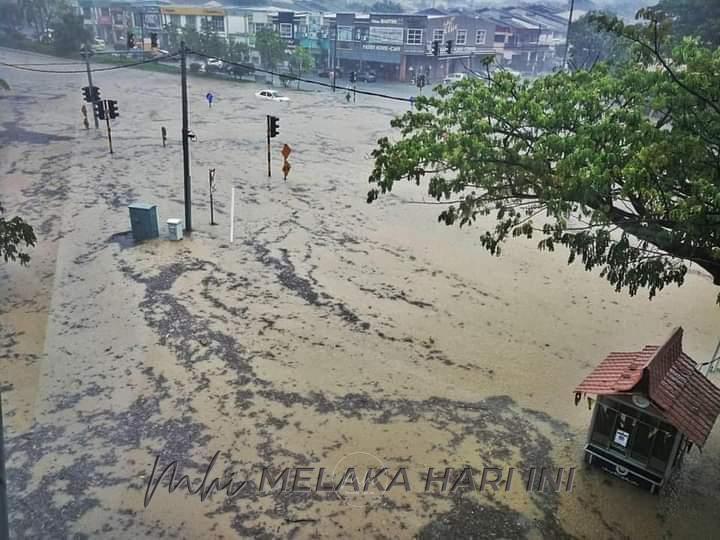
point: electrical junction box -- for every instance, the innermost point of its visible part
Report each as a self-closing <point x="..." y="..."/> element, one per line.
<point x="175" y="229"/>
<point x="144" y="221"/>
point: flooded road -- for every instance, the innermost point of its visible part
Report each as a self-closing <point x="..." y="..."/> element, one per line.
<point x="329" y="334"/>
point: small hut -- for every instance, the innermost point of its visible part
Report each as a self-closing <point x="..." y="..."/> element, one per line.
<point x="651" y="407"/>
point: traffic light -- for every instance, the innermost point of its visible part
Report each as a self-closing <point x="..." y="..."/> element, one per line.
<point x="131" y="41"/>
<point x="86" y="94"/>
<point x="436" y="48"/>
<point x="112" y="109"/>
<point x="448" y="46"/>
<point x="353" y="76"/>
<point x="95" y="93"/>
<point x="274" y="126"/>
<point x="100" y="109"/>
<point x="154" y="40"/>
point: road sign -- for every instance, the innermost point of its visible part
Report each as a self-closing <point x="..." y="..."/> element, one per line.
<point x="286" y="151"/>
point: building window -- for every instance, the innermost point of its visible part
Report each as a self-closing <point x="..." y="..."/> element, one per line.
<point x="386" y="34"/>
<point x="175" y="20"/>
<point x="499" y="38"/>
<point x="217" y="24"/>
<point x="286" y="30"/>
<point x="438" y="34"/>
<point x="414" y="36"/>
<point x="86" y="12"/>
<point x="480" y="37"/>
<point x="191" y="21"/>
<point x="104" y="12"/>
<point x="461" y="38"/>
<point x="344" y="33"/>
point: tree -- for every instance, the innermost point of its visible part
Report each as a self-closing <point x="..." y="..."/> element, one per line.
<point x="301" y="62"/>
<point x="4" y="85"/>
<point x="699" y="18"/>
<point x="238" y="52"/>
<point x="620" y="166"/>
<point x="386" y="6"/>
<point x="590" y="44"/>
<point x="70" y="33"/>
<point x="41" y="13"/>
<point x="271" y="48"/>
<point x="13" y="234"/>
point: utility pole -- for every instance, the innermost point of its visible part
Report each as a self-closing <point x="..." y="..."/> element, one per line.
<point x="4" y="511"/>
<point x="86" y="55"/>
<point x="567" y="35"/>
<point x="211" y="178"/>
<point x="185" y="137"/>
<point x="334" y="54"/>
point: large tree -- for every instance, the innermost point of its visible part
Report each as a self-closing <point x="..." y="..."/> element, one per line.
<point x="14" y="233"/>
<point x="271" y="48"/>
<point x="590" y="44"/>
<point x="301" y="62"/>
<point x="699" y="18"/>
<point x="621" y="166"/>
<point x="70" y="33"/>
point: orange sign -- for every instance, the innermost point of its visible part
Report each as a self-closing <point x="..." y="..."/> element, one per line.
<point x="286" y="168"/>
<point x="286" y="151"/>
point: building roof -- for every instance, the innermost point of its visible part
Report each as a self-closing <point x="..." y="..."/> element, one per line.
<point x="687" y="399"/>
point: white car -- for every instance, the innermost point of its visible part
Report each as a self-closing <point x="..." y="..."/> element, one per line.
<point x="215" y="62"/>
<point x="272" y="95"/>
<point x="454" y="77"/>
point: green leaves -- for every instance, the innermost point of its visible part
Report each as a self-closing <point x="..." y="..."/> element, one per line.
<point x="623" y="162"/>
<point x="14" y="233"/>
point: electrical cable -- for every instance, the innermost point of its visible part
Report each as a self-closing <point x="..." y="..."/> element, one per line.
<point x="95" y="70"/>
<point x="308" y="81"/>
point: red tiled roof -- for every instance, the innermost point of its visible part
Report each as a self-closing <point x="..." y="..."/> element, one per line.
<point x="687" y="398"/>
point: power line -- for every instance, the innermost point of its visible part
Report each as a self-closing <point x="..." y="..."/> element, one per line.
<point x="50" y="64"/>
<point x="308" y="81"/>
<point x="55" y="71"/>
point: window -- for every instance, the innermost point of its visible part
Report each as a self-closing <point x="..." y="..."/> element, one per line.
<point x="217" y="24"/>
<point x="105" y="12"/>
<point x="86" y="12"/>
<point x="414" y="36"/>
<point x="286" y="30"/>
<point x="438" y="34"/>
<point x="191" y="21"/>
<point x="175" y="20"/>
<point x="461" y="38"/>
<point x="480" y="37"/>
<point x="499" y="38"/>
<point x="344" y="33"/>
<point x="386" y="34"/>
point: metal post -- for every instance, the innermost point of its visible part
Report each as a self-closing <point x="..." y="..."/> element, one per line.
<point x="268" y="145"/>
<point x="185" y="133"/>
<point x="107" y="119"/>
<point x="86" y="55"/>
<point x="567" y="35"/>
<point x="211" y="180"/>
<point x="4" y="511"/>
<point x="334" y="55"/>
<point x="142" y="33"/>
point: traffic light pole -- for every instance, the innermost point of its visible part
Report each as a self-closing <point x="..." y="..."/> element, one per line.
<point x="86" y="55"/>
<point x="268" y="145"/>
<point x="185" y="137"/>
<point x="4" y="529"/>
<point x="107" y="119"/>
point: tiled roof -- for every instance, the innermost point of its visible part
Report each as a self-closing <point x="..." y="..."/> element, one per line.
<point x="687" y="398"/>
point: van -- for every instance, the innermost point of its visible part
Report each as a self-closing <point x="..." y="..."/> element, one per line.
<point x="454" y="77"/>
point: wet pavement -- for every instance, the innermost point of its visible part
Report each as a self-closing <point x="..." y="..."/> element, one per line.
<point x="330" y="333"/>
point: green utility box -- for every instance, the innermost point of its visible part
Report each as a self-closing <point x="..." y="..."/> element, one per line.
<point x="144" y="221"/>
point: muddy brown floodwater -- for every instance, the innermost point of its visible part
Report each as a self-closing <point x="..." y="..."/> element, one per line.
<point x="330" y="333"/>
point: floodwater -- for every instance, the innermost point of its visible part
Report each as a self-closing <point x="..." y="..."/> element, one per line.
<point x="329" y="334"/>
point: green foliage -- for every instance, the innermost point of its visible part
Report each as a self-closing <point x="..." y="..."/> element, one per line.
<point x="590" y="44"/>
<point x="41" y="14"/>
<point x="14" y="233"/>
<point x="700" y="18"/>
<point x="271" y="48"/>
<point x="386" y="6"/>
<point x="621" y="166"/>
<point x="4" y="85"/>
<point x="301" y="62"/>
<point x="238" y="52"/>
<point x="70" y="33"/>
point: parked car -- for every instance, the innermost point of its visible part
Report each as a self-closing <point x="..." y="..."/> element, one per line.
<point x="214" y="63"/>
<point x="454" y="77"/>
<point x="271" y="95"/>
<point x="98" y="45"/>
<point x="367" y="76"/>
